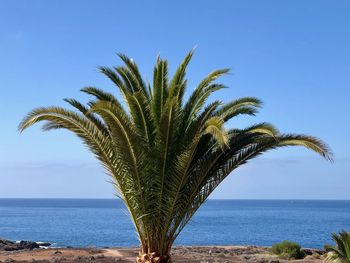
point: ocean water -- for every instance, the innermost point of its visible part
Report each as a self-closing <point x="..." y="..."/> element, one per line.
<point x="101" y="222"/>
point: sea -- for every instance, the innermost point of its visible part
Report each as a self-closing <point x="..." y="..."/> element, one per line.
<point x="105" y="222"/>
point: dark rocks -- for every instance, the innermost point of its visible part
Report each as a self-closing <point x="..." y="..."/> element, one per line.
<point x="310" y="251"/>
<point x="7" y="245"/>
<point x="27" y="245"/>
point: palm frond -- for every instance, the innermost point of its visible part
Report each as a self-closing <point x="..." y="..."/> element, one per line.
<point x="160" y="88"/>
<point x="214" y="127"/>
<point x="178" y="83"/>
<point x="113" y="76"/>
<point x="341" y="251"/>
<point x="247" y="105"/>
<point x="135" y="73"/>
<point x="308" y="142"/>
<point x="100" y="94"/>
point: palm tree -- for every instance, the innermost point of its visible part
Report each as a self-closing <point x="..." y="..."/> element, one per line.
<point x="165" y="155"/>
<point x="341" y="252"/>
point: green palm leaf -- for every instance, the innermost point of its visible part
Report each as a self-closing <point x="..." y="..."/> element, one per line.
<point x="340" y="253"/>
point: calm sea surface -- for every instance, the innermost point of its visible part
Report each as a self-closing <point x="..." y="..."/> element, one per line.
<point x="85" y="222"/>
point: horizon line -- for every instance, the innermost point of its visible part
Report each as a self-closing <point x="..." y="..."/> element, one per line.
<point x="210" y="199"/>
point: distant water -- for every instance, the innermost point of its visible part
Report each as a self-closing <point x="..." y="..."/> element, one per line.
<point x="81" y="222"/>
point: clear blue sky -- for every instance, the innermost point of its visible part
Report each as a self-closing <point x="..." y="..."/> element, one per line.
<point x="294" y="55"/>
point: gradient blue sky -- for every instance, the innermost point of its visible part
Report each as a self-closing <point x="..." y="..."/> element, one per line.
<point x="294" y="55"/>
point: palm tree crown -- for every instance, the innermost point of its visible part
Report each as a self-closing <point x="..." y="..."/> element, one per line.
<point x="165" y="155"/>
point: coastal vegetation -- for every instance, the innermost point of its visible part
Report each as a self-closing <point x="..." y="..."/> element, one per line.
<point x="166" y="154"/>
<point x="288" y="250"/>
<point x="340" y="253"/>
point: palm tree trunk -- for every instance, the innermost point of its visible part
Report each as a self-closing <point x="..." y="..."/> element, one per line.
<point x="153" y="257"/>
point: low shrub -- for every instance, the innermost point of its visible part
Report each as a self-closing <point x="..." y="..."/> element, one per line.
<point x="288" y="250"/>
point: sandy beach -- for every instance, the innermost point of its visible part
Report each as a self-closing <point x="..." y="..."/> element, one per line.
<point x="193" y="254"/>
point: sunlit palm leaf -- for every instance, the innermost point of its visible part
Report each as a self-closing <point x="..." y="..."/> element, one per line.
<point x="340" y="253"/>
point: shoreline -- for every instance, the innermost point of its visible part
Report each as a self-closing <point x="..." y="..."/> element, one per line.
<point x="181" y="254"/>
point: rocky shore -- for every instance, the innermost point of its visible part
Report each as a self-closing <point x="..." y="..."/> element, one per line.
<point x="27" y="251"/>
<point x="7" y="245"/>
